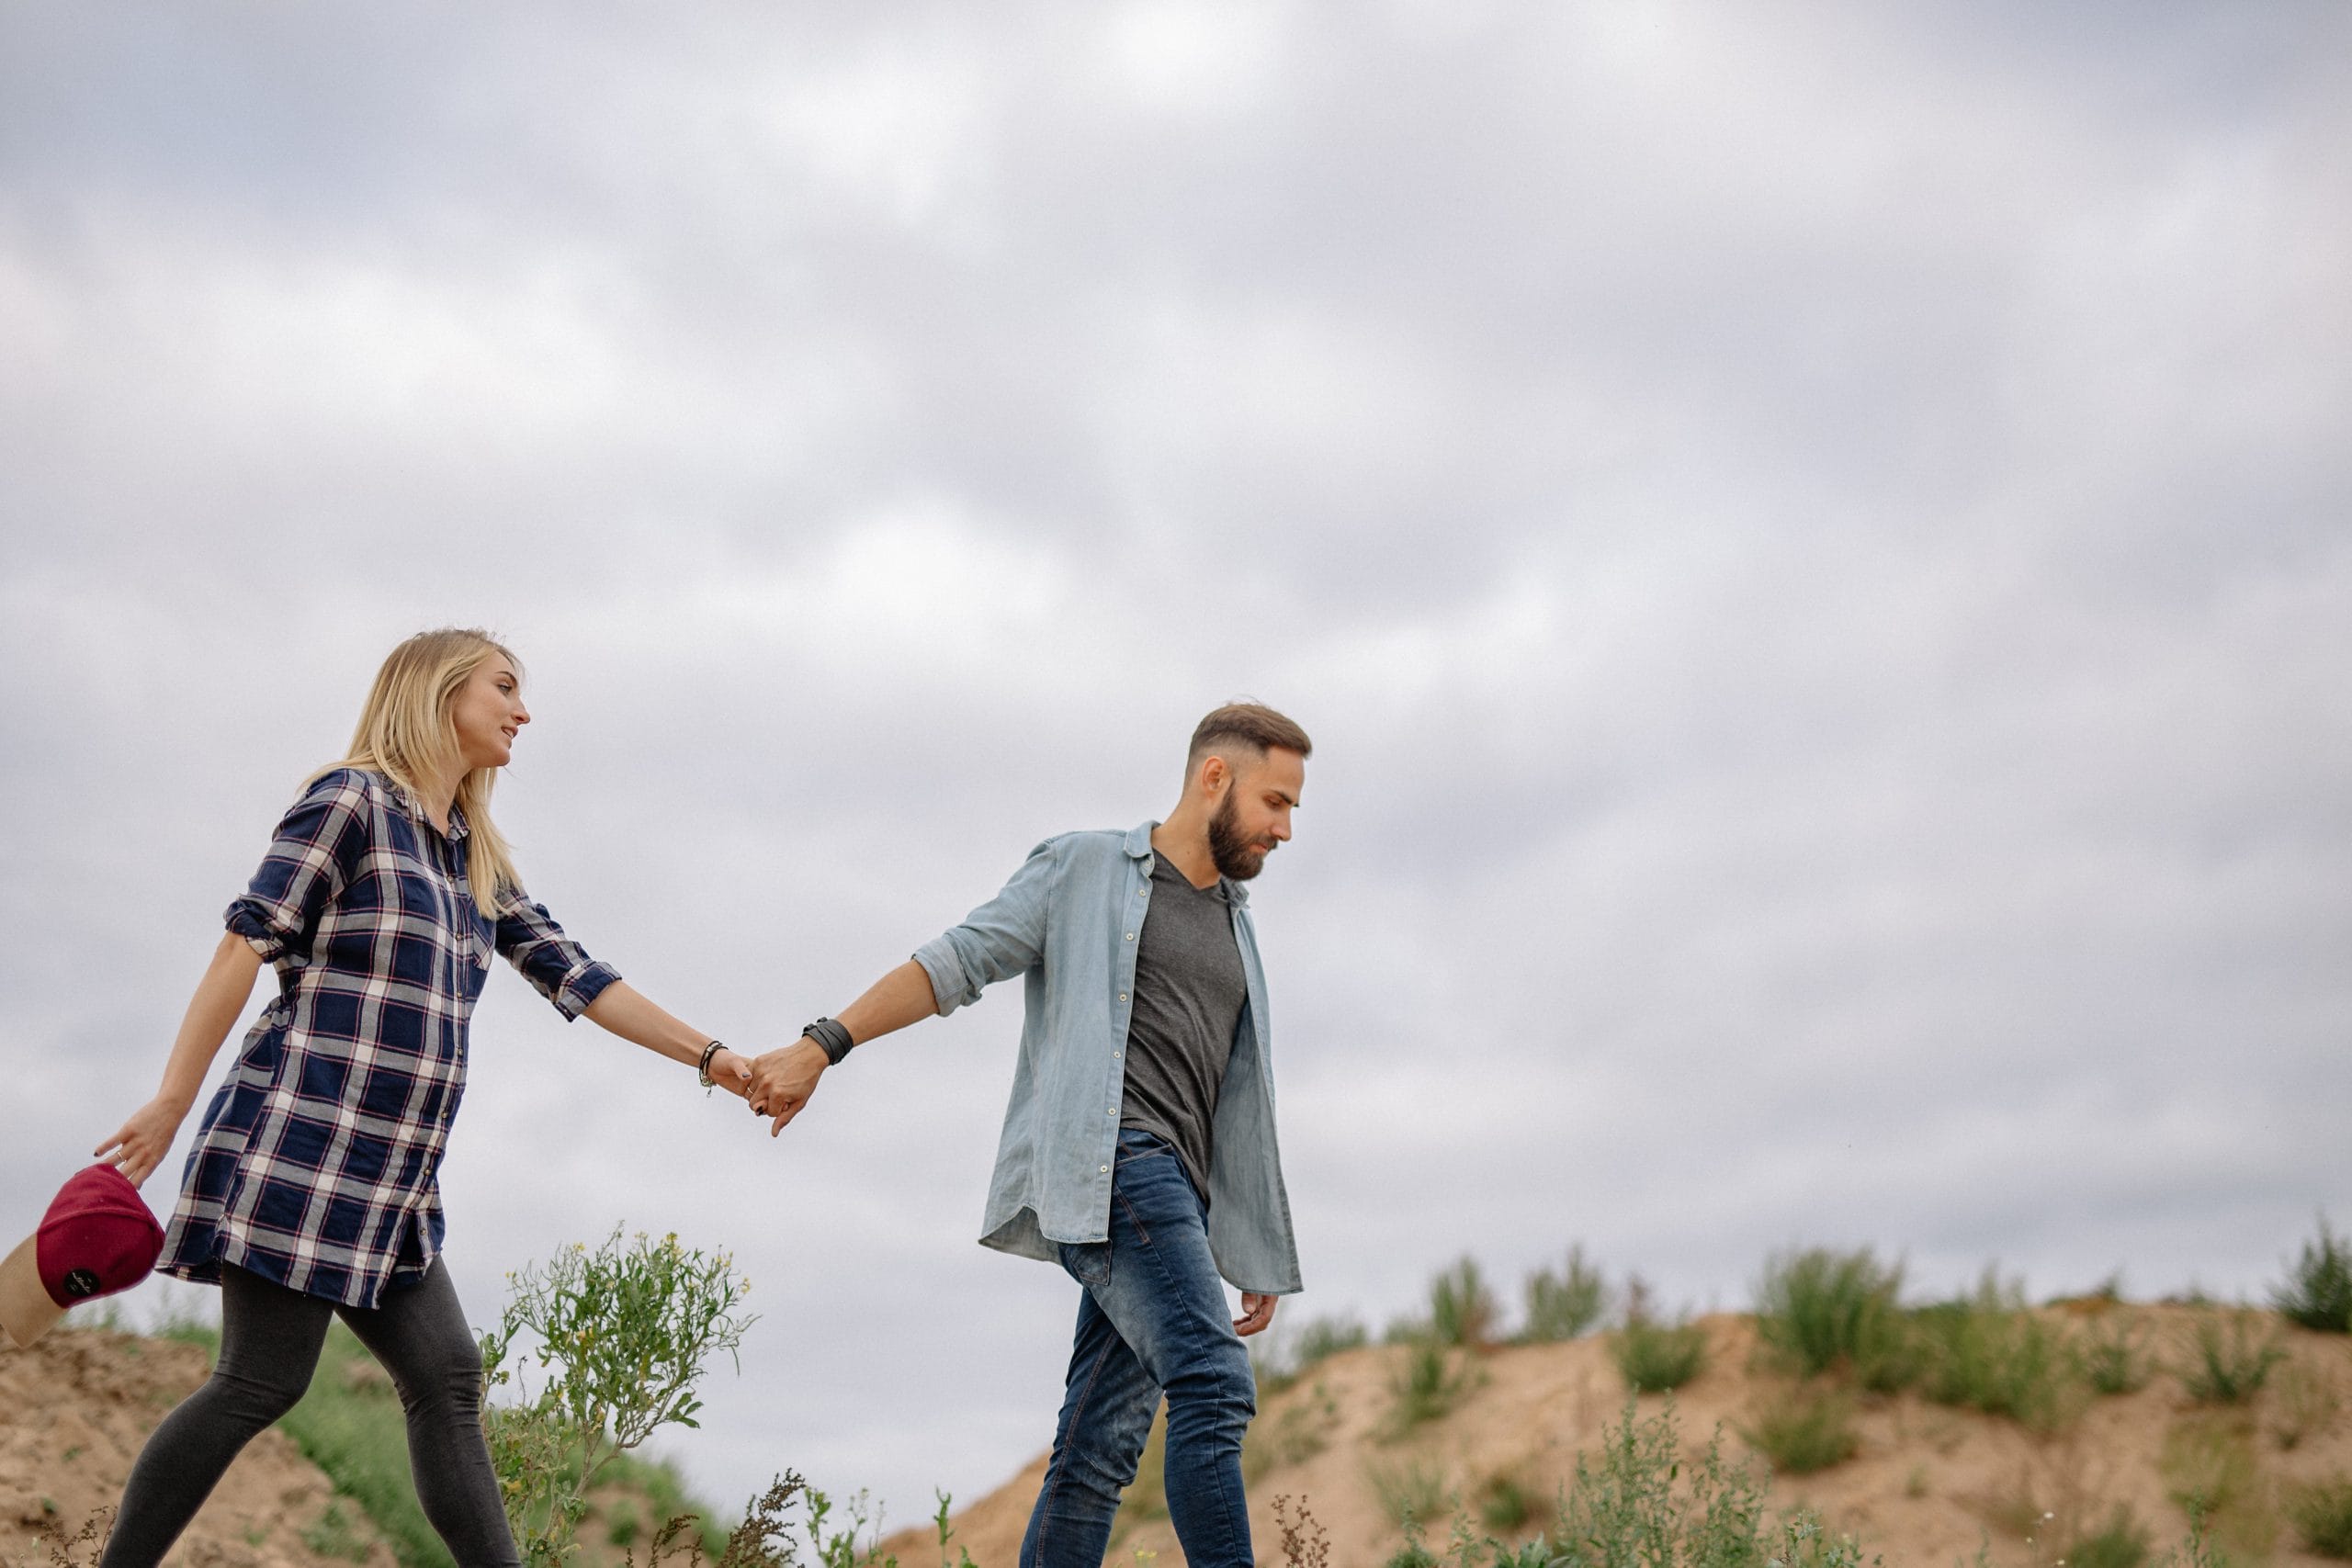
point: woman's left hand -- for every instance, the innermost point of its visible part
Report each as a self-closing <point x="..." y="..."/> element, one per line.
<point x="730" y="1072"/>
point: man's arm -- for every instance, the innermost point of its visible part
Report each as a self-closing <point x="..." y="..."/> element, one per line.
<point x="783" y="1080"/>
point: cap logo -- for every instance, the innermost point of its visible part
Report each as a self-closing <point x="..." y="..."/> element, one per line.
<point x="81" y="1285"/>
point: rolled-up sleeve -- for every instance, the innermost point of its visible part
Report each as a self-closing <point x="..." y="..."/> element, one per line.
<point x="315" y="852"/>
<point x="558" y="967"/>
<point x="1003" y="937"/>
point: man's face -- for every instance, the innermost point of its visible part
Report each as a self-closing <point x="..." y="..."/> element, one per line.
<point x="1255" y="814"/>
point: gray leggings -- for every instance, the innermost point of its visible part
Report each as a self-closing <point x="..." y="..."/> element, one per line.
<point x="270" y="1338"/>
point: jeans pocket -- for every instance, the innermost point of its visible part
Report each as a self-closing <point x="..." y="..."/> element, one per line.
<point x="1088" y="1262"/>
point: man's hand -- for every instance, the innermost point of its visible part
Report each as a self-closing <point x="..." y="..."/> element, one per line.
<point x="783" y="1080"/>
<point x="1257" y="1311"/>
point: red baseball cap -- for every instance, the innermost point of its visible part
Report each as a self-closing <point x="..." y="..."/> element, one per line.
<point x="96" y="1238"/>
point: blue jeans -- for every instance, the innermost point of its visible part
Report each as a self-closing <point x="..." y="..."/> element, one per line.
<point x="1153" y="1320"/>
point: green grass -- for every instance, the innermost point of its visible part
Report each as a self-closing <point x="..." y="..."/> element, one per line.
<point x="2210" y="1469"/>
<point x="1508" y="1502"/>
<point x="1565" y="1305"/>
<point x="2227" y="1357"/>
<point x="2305" y="1403"/>
<point x="1819" y="1311"/>
<point x="2317" y="1292"/>
<point x="1293" y="1435"/>
<point x="2122" y="1542"/>
<point x="2322" y="1515"/>
<point x="1658" y="1357"/>
<point x="1284" y="1357"/>
<point x="1987" y="1351"/>
<point x="1462" y="1308"/>
<point x="1411" y="1493"/>
<point x="1802" y="1430"/>
<point x="1427" y="1383"/>
<point x="2113" y="1356"/>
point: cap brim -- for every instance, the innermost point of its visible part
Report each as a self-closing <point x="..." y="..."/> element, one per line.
<point x="26" y="1310"/>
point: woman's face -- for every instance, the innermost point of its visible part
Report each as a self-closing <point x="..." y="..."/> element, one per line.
<point x="488" y="712"/>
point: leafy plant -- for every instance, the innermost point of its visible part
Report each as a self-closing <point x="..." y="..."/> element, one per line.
<point x="2307" y="1405"/>
<point x="1987" y="1351"/>
<point x="1507" y="1503"/>
<point x="1565" y="1305"/>
<point x="2210" y="1469"/>
<point x="1656" y="1357"/>
<point x="1462" y="1307"/>
<point x="1636" y="1504"/>
<point x="1302" y="1540"/>
<point x="2113" y="1356"/>
<point x="1427" y="1383"/>
<point x="1411" y="1493"/>
<point x="2228" y="1356"/>
<point x="762" y="1540"/>
<point x="1803" y="1430"/>
<point x="2317" y="1292"/>
<point x="2322" y="1515"/>
<point x="619" y="1335"/>
<point x="1819" y="1311"/>
<point x="2122" y="1542"/>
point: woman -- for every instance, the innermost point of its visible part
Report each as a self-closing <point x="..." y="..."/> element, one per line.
<point x="311" y="1190"/>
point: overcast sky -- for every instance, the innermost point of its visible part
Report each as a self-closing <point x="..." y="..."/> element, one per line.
<point x="1815" y="543"/>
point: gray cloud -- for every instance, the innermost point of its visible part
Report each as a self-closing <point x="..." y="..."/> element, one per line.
<point x="1812" y="544"/>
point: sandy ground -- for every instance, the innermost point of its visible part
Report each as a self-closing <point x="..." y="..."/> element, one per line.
<point x="1928" y="1486"/>
<point x="74" y="1410"/>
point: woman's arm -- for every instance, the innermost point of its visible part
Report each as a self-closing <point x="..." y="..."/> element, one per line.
<point x="143" y="1141"/>
<point x="621" y="1009"/>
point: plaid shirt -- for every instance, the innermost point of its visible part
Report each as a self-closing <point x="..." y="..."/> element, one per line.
<point x="316" y="1166"/>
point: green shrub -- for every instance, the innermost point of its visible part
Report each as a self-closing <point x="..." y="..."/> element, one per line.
<point x="2228" y="1356"/>
<point x="1293" y="1435"/>
<point x="619" y="1335"/>
<point x="2113" y="1356"/>
<point x="1657" y="1357"/>
<point x="1818" y="1311"/>
<point x="1565" y="1305"/>
<point x="2318" y="1289"/>
<point x="1280" y="1358"/>
<point x="2210" y="1469"/>
<point x="2122" y="1542"/>
<point x="1425" y="1384"/>
<point x="2322" y="1515"/>
<point x="1507" y="1503"/>
<point x="1462" y="1307"/>
<point x="1803" y="1430"/>
<point x="1987" y="1351"/>
<point x="2307" y="1403"/>
<point x="1641" y="1503"/>
<point x="1411" y="1493"/>
<point x="1654" y="1356"/>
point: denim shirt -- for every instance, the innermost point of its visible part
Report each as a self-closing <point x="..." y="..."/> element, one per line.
<point x="1068" y="924"/>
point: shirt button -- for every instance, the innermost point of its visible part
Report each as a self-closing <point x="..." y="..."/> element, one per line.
<point x="1123" y="996"/>
<point x="1106" y="1170"/>
<point x="1131" y="936"/>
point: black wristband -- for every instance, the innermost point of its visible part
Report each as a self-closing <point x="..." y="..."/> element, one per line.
<point x="831" y="1037"/>
<point x="702" y="1068"/>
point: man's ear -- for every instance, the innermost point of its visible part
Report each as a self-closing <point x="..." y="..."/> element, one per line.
<point x="1214" y="775"/>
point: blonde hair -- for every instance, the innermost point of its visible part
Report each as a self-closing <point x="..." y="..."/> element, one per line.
<point x="407" y="733"/>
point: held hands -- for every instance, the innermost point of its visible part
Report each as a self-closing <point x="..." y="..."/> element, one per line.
<point x="783" y="1080"/>
<point x="731" y="1071"/>
<point x="143" y="1141"/>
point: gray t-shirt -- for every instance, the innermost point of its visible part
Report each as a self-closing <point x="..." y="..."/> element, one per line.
<point x="1189" y="992"/>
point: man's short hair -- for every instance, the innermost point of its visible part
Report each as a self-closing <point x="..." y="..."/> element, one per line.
<point x="1251" y="725"/>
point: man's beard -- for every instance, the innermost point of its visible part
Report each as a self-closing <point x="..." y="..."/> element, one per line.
<point x="1235" y="854"/>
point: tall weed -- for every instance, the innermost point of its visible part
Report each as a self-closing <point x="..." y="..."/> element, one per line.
<point x="2227" y="1357"/>
<point x="2322" y="1515"/>
<point x="1565" y="1305"/>
<point x="2113" y="1356"/>
<point x="2317" y="1292"/>
<point x="1803" y="1429"/>
<point x="1462" y="1307"/>
<point x="1656" y="1357"/>
<point x="1427" y="1382"/>
<point x="1987" y="1351"/>
<point x="1818" y="1311"/>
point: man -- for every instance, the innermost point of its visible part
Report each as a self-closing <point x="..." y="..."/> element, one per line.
<point x="1138" y="1149"/>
